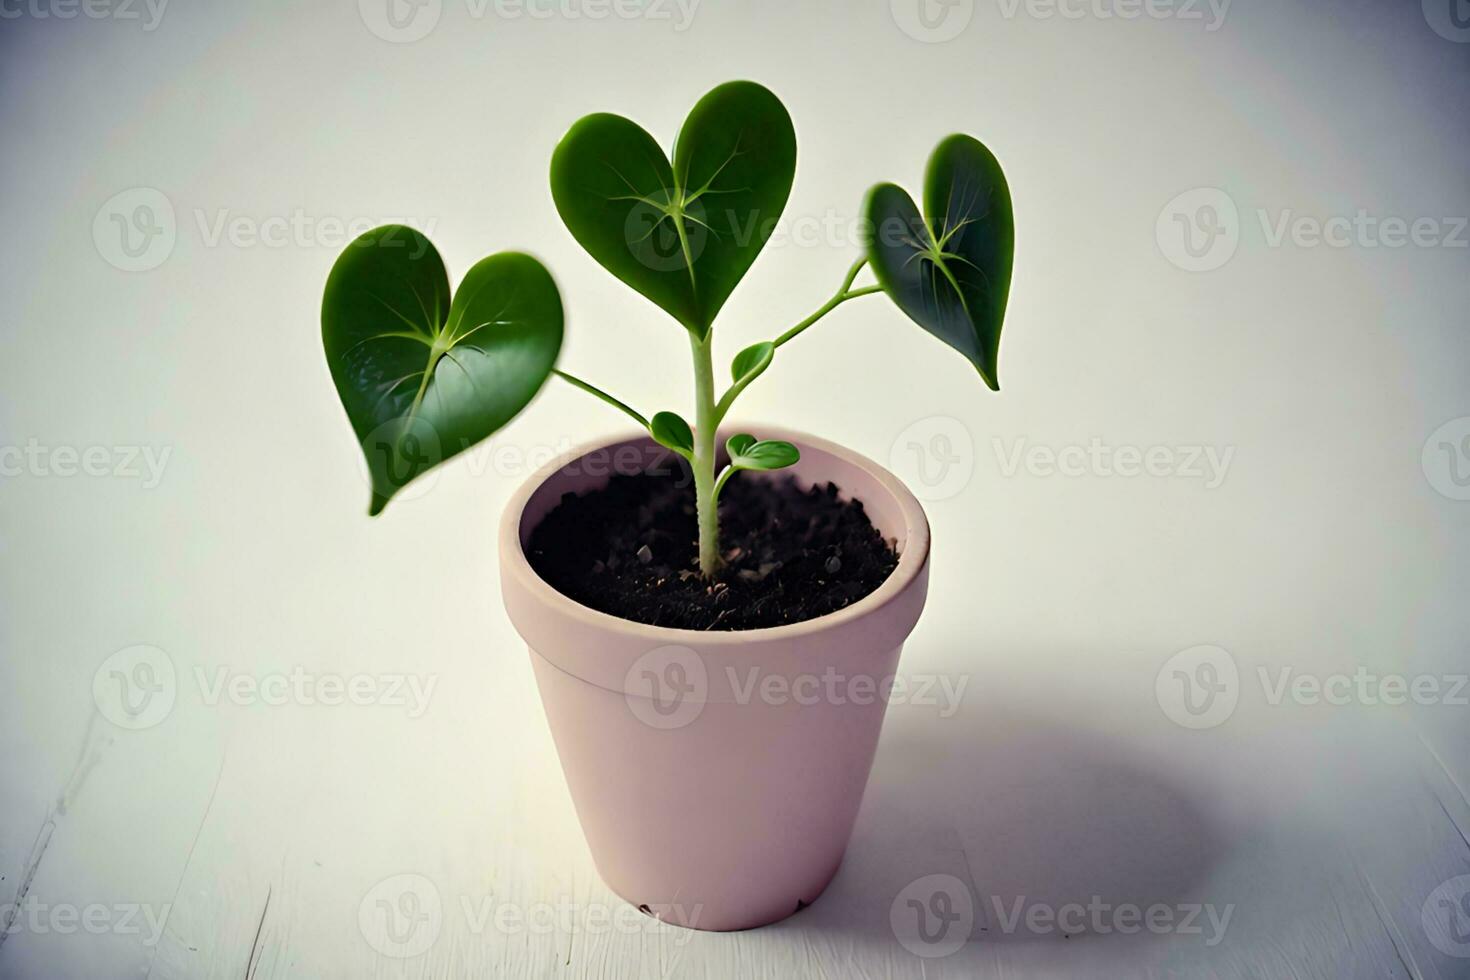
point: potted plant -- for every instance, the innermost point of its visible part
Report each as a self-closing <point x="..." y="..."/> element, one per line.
<point x="712" y="648"/>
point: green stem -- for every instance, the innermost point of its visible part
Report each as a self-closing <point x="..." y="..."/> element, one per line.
<point x="592" y="389"/>
<point x="703" y="463"/>
<point x="844" y="293"/>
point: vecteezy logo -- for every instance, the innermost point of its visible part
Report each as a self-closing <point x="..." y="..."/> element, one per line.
<point x="1450" y="19"/>
<point x="401" y="915"/>
<point x="135" y="688"/>
<point x="666" y="238"/>
<point x="400" y="21"/>
<point x="932" y="21"/>
<point x="1446" y="459"/>
<point x="135" y="230"/>
<point x="403" y="454"/>
<point x="1198" y="687"/>
<point x="933" y="916"/>
<point x="1199" y="230"/>
<point x="666" y="687"/>
<point x="1446" y="917"/>
<point x="935" y="457"/>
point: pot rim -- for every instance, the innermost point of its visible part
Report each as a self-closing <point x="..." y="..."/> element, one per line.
<point x="911" y="560"/>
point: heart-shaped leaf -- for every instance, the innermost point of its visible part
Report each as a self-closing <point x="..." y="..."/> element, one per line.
<point x="423" y="377"/>
<point x="950" y="269"/>
<point x="670" y="430"/>
<point x="682" y="234"/>
<point x="767" y="454"/>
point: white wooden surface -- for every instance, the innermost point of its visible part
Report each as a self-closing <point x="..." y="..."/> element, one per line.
<point x="271" y="840"/>
<point x="262" y="833"/>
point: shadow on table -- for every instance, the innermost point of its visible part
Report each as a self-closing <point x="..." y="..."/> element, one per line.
<point x="1030" y="816"/>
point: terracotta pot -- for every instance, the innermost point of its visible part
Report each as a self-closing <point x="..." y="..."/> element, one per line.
<point x="716" y="775"/>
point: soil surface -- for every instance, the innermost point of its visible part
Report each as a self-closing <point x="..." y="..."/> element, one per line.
<point x="631" y="550"/>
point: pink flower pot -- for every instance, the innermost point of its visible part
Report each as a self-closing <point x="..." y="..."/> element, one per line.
<point x="716" y="775"/>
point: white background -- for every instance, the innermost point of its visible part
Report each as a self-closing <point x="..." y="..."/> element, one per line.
<point x="1333" y="543"/>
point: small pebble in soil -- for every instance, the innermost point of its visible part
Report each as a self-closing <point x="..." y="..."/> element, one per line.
<point x="791" y="554"/>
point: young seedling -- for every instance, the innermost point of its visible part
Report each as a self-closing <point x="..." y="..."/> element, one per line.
<point x="424" y="377"/>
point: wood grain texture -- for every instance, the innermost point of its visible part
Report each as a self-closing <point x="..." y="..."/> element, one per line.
<point x="1322" y="835"/>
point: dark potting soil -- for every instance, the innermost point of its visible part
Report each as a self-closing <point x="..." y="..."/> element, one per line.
<point x="631" y="550"/>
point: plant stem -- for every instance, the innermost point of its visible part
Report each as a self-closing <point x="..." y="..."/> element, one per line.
<point x="703" y="462"/>
<point x="594" y="390"/>
<point x="843" y="294"/>
<point x="708" y="413"/>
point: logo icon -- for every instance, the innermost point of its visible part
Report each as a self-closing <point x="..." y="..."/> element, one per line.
<point x="933" y="916"/>
<point x="935" y="457"/>
<point x="1198" y="687"/>
<point x="1450" y="19"/>
<point x="666" y="687"/>
<point x="401" y="915"/>
<point x="135" y="230"/>
<point x="1446" y="917"/>
<point x="652" y="231"/>
<point x="932" y="21"/>
<point x="400" y="21"/>
<point x="402" y="454"/>
<point x="135" y="688"/>
<point x="1199" y="230"/>
<point x="1446" y="459"/>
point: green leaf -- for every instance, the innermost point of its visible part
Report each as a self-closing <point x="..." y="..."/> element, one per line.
<point x="682" y="234"/>
<point x="768" y="454"/>
<point x="422" y="377"/>
<point x="949" y="270"/>
<point x="738" y="444"/>
<point x="751" y="362"/>
<point x="668" y="429"/>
